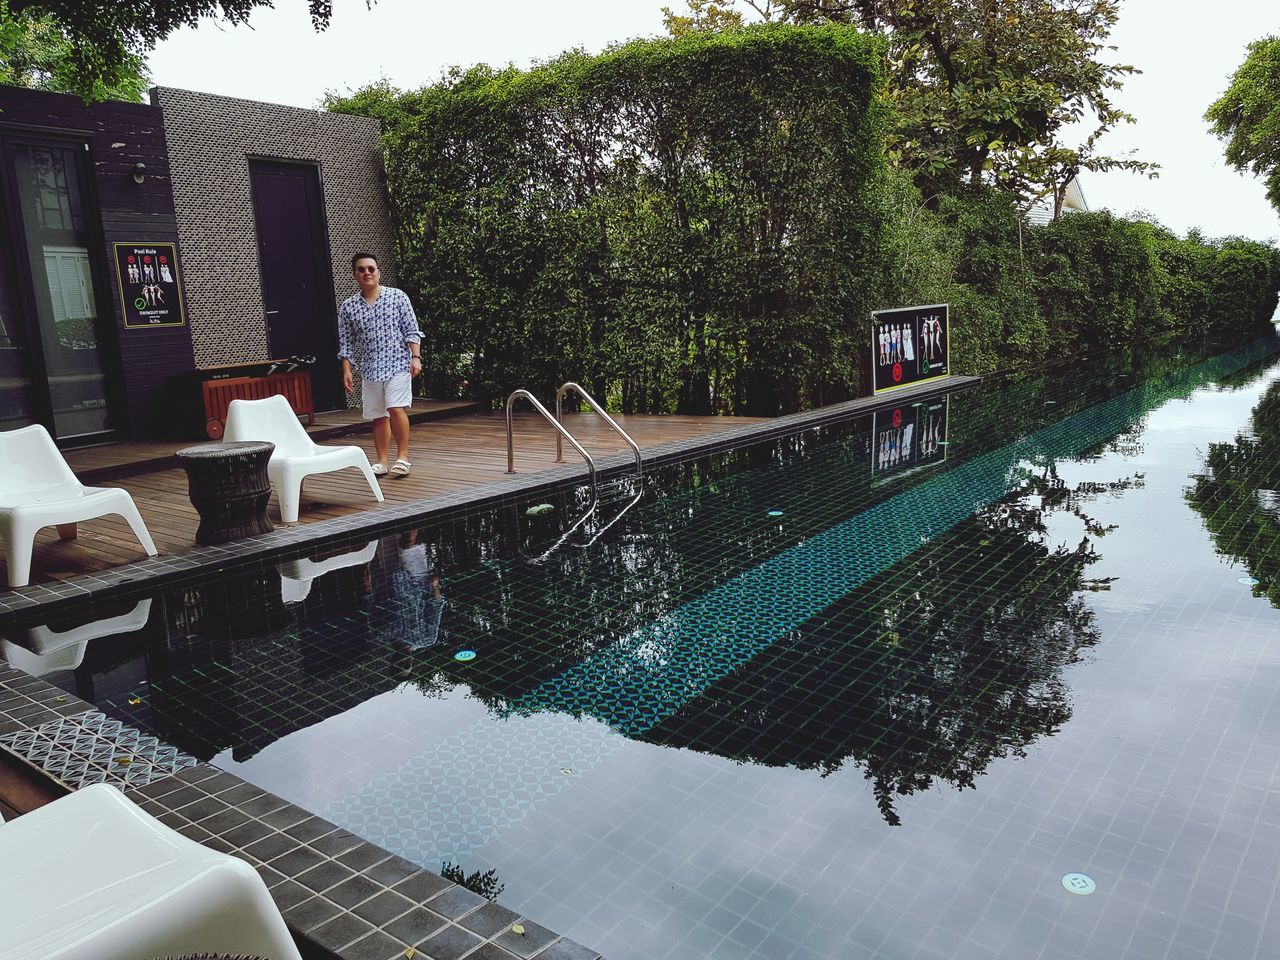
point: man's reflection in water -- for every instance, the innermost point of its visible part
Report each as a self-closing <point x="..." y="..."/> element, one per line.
<point x="416" y="597"/>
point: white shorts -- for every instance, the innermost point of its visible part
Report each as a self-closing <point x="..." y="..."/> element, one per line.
<point x="379" y="395"/>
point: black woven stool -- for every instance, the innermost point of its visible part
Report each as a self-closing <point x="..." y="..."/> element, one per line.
<point x="229" y="487"/>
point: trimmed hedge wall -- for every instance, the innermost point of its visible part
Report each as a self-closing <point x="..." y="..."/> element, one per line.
<point x="1022" y="294"/>
<point x="704" y="223"/>
<point x="677" y="223"/>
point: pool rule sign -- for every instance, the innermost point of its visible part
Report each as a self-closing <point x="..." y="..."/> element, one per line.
<point x="148" y="276"/>
<point x="908" y="345"/>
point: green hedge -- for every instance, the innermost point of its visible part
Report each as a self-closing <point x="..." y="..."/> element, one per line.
<point x="1023" y="294"/>
<point x="680" y="223"/>
<point x="704" y="223"/>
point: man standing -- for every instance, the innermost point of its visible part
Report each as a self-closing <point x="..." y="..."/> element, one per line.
<point x="378" y="333"/>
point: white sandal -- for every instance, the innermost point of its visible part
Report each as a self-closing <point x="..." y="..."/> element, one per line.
<point x="401" y="468"/>
<point x="379" y="469"/>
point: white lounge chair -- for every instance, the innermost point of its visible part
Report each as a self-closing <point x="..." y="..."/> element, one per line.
<point x="41" y="650"/>
<point x="38" y="489"/>
<point x="93" y="875"/>
<point x="296" y="456"/>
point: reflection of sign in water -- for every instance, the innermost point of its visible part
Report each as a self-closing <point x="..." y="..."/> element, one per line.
<point x="908" y="345"/>
<point x="148" y="277"/>
<point x="908" y="437"/>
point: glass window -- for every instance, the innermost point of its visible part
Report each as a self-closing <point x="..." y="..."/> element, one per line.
<point x="15" y="380"/>
<point x="66" y="314"/>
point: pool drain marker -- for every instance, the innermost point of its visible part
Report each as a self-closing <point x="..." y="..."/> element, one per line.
<point x="1249" y="581"/>
<point x="462" y="656"/>
<point x="775" y="513"/>
<point x="1079" y="883"/>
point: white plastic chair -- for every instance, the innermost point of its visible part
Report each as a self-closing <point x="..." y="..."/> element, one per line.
<point x="296" y="456"/>
<point x="38" y="489"/>
<point x="41" y="650"/>
<point x="92" y="875"/>
<point x="296" y="575"/>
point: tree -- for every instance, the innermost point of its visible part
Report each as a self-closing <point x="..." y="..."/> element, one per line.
<point x="102" y="42"/>
<point x="36" y="53"/>
<point x="983" y="91"/>
<point x="1247" y="115"/>
<point x="704" y="16"/>
<point x="1235" y="496"/>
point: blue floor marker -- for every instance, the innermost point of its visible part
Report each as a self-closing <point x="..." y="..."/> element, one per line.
<point x="462" y="656"/>
<point x="775" y="513"/>
<point x="1079" y="883"/>
<point x="1249" y="581"/>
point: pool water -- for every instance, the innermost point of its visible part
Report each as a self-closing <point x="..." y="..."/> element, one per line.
<point x="996" y="676"/>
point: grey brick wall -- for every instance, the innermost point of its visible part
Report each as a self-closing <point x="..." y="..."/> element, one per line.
<point x="211" y="139"/>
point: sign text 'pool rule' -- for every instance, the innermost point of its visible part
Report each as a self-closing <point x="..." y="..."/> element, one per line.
<point x="908" y="345"/>
<point x="148" y="277"/>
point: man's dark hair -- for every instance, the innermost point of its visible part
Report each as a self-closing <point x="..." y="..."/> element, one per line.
<point x="357" y="257"/>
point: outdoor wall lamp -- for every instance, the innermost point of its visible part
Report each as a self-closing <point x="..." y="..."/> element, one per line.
<point x="139" y="172"/>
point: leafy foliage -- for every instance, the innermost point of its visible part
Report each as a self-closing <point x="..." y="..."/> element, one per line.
<point x="681" y="221"/>
<point x="704" y="15"/>
<point x="35" y="52"/>
<point x="484" y="883"/>
<point x="1237" y="497"/>
<point x="981" y="92"/>
<point x="1247" y="115"/>
<point x="1021" y="293"/>
<point x="100" y="44"/>
<point x="704" y="223"/>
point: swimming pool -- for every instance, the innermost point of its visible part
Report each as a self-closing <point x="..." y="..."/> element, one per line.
<point x="880" y="688"/>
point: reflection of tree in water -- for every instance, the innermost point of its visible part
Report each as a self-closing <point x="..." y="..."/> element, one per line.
<point x="931" y="671"/>
<point x="1238" y="496"/>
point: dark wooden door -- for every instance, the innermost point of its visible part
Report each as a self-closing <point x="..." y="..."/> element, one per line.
<point x="297" y="286"/>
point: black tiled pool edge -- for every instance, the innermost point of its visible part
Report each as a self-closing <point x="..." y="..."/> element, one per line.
<point x="46" y="601"/>
<point x="335" y="891"/>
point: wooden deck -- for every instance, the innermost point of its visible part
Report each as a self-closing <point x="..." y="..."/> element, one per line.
<point x="21" y="788"/>
<point x="468" y="450"/>
<point x="113" y="460"/>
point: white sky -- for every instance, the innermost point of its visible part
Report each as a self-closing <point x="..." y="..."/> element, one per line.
<point x="1186" y="50"/>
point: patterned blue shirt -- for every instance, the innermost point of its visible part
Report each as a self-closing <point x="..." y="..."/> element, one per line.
<point x="375" y="337"/>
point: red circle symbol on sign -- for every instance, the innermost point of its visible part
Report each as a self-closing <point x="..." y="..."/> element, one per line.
<point x="897" y="373"/>
<point x="897" y="419"/>
<point x="131" y="258"/>
<point x="164" y="259"/>
<point x="146" y="259"/>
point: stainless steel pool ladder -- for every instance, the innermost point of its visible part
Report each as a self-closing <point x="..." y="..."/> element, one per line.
<point x="560" y="432"/>
<point x="591" y="402"/>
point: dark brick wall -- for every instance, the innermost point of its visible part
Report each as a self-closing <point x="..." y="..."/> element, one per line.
<point x="211" y="140"/>
<point x="120" y="135"/>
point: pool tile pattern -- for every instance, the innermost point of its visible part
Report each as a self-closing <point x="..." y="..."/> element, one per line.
<point x="334" y="890"/>
<point x="90" y="747"/>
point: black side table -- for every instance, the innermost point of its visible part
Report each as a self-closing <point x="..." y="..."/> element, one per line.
<point x="229" y="487"/>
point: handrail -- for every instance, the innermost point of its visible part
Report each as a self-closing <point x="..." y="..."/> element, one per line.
<point x="603" y="530"/>
<point x="560" y="431"/>
<point x="570" y="385"/>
